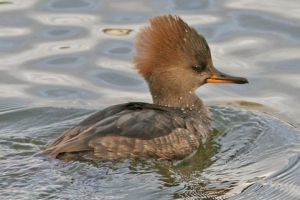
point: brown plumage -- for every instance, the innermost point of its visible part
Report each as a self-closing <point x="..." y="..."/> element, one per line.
<point x="168" y="41"/>
<point x="133" y="130"/>
<point x="174" y="60"/>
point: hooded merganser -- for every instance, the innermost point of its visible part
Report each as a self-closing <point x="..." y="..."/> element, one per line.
<point x="174" y="60"/>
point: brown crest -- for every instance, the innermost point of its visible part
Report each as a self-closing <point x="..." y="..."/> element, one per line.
<point x="167" y="41"/>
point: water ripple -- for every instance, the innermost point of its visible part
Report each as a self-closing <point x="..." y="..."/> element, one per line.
<point x="78" y="54"/>
<point x="65" y="5"/>
<point x="239" y="155"/>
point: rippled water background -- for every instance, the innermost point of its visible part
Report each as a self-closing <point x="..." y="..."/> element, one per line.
<point x="61" y="60"/>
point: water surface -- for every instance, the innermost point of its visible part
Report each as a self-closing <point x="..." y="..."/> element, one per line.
<point x="62" y="60"/>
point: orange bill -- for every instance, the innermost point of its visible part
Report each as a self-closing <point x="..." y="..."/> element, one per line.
<point x="219" y="77"/>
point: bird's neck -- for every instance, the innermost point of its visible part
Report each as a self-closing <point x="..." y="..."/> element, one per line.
<point x="187" y="100"/>
<point x="173" y="96"/>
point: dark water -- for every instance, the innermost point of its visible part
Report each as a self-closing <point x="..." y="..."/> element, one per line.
<point x="61" y="60"/>
<point x="246" y="150"/>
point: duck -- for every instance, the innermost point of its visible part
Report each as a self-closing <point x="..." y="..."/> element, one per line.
<point x="175" y="60"/>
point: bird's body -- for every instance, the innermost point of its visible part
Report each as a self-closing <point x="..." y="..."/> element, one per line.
<point x="174" y="60"/>
<point x="137" y="130"/>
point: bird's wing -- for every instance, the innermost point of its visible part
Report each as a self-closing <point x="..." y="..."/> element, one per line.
<point x="118" y="124"/>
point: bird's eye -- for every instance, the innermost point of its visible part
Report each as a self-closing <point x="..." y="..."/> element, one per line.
<point x="199" y="67"/>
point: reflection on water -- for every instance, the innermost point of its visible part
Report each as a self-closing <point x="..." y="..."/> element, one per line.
<point x="117" y="31"/>
<point x="74" y="54"/>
